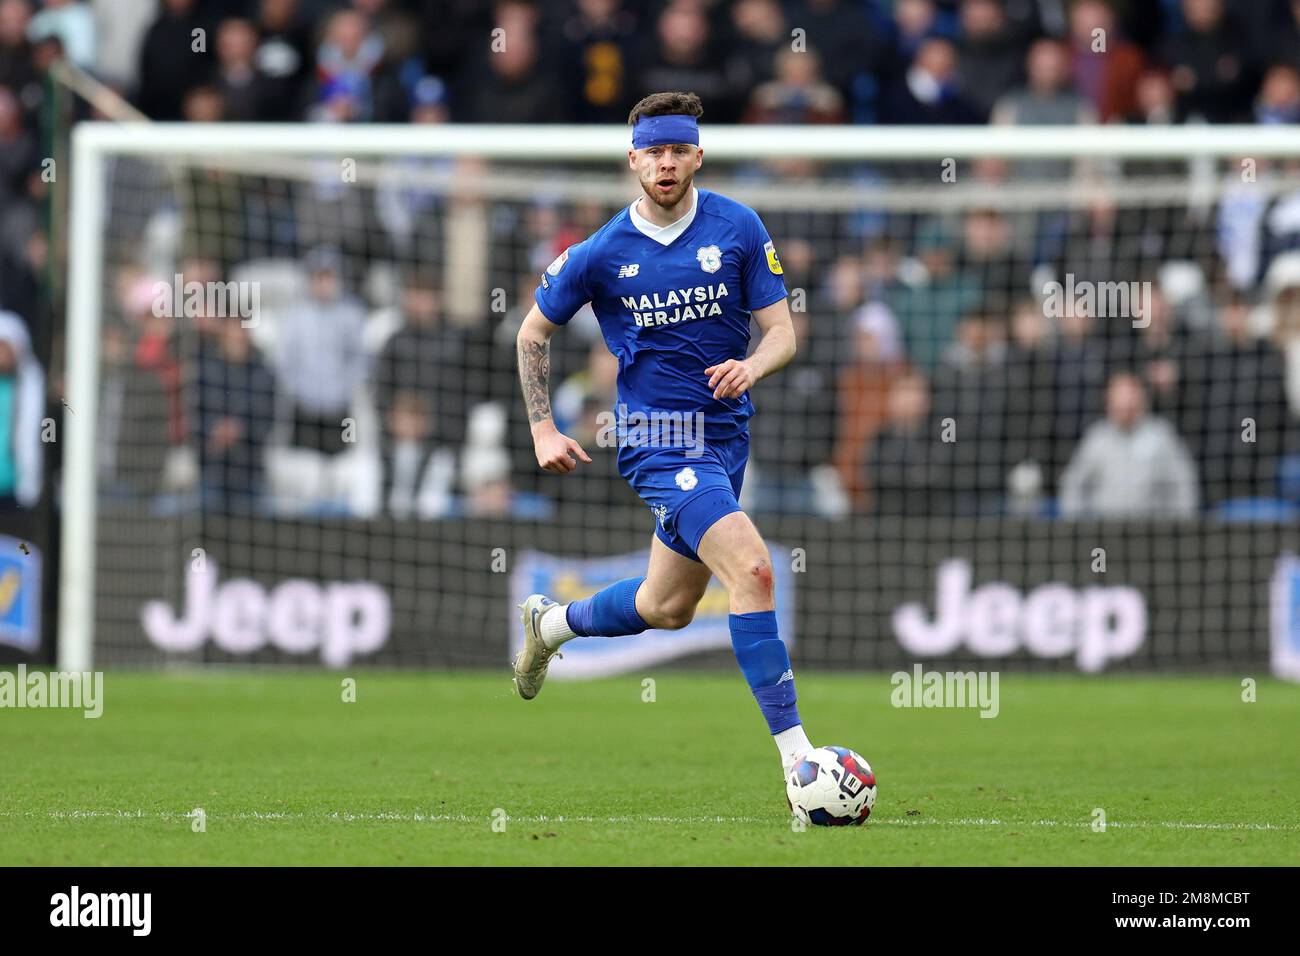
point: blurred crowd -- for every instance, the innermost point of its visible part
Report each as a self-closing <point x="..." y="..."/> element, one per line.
<point x="936" y="373"/>
<point x="756" y="61"/>
<point x="933" y="376"/>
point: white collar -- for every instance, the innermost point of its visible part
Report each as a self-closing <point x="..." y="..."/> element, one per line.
<point x="664" y="235"/>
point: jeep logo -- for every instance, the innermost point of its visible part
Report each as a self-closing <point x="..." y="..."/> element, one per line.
<point x="1096" y="624"/>
<point x="341" y="619"/>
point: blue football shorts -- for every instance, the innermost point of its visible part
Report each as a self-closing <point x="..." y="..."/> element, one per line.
<point x="687" y="488"/>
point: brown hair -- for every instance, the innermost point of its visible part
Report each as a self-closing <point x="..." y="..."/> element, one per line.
<point x="667" y="104"/>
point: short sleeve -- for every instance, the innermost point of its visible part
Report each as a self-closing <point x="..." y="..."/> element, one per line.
<point x="563" y="290"/>
<point x="764" y="282"/>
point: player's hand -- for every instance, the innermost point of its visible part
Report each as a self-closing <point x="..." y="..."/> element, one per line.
<point x="556" y="451"/>
<point x="732" y="379"/>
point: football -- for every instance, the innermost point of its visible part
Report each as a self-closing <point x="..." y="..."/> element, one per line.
<point x="831" y="787"/>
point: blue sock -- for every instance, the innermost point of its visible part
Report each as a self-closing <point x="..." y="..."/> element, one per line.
<point x="610" y="612"/>
<point x="766" y="665"/>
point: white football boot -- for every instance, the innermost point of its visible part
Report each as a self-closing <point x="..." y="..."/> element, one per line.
<point x="534" y="657"/>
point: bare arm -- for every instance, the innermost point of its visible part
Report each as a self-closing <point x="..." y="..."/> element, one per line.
<point x="734" y="377"/>
<point x="555" y="451"/>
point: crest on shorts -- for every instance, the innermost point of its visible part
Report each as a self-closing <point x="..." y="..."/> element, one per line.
<point x="710" y="258"/>
<point x="686" y="479"/>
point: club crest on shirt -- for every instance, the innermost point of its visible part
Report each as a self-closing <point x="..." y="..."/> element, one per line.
<point x="686" y="479"/>
<point x="555" y="267"/>
<point x="773" y="260"/>
<point x="710" y="258"/>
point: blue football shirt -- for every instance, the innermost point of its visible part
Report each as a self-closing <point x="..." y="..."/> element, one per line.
<point x="668" y="312"/>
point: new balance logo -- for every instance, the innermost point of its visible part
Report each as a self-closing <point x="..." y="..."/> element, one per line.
<point x="788" y="675"/>
<point x="628" y="271"/>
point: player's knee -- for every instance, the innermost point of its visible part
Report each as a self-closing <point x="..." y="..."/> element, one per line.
<point x="672" y="614"/>
<point x="678" y="620"/>
<point x="677" y="615"/>
<point x="755" y="577"/>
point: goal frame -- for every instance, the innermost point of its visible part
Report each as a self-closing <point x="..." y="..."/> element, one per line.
<point x="94" y="143"/>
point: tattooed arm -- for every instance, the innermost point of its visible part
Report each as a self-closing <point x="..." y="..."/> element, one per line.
<point x="556" y="452"/>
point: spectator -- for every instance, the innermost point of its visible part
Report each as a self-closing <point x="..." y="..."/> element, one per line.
<point x="934" y="297"/>
<point x="1047" y="98"/>
<point x="120" y="26"/>
<point x="418" y="477"/>
<point x="684" y="56"/>
<point x="516" y="83"/>
<point x="797" y="95"/>
<point x="20" y="182"/>
<point x="1282" y="43"/>
<point x="17" y="71"/>
<point x="915" y="21"/>
<point x="794" y="437"/>
<point x="989" y="260"/>
<point x="411" y="210"/>
<point x="970" y="396"/>
<point x="1282" y="312"/>
<point x="596" y="382"/>
<point x="20" y="289"/>
<point x="598" y="483"/>
<point x="761" y="34"/>
<point x="351" y="83"/>
<point x="928" y="92"/>
<point x="597" y="42"/>
<point x="863" y="388"/>
<point x="485" y="473"/>
<point x="205" y="104"/>
<point x="1105" y="65"/>
<point x="143" y="422"/>
<point x="397" y="29"/>
<point x="170" y="66"/>
<point x="1208" y="64"/>
<point x="1279" y="96"/>
<point x="421" y="394"/>
<point x="22" y="406"/>
<point x="1078" y="382"/>
<point x="245" y="91"/>
<point x="905" y="468"/>
<point x="1153" y="351"/>
<point x="989" y="54"/>
<point x="320" y="360"/>
<point x="840" y="32"/>
<point x="283" y="58"/>
<point x="448" y="25"/>
<point x="1235" y="409"/>
<point x="1031" y="391"/>
<point x="236" y="409"/>
<point x="1130" y="464"/>
<point x="1156" y="101"/>
<point x="73" y="23"/>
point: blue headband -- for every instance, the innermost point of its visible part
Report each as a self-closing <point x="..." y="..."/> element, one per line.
<point x="665" y="131"/>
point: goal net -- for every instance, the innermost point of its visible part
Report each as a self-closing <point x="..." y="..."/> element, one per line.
<point x="1043" y="412"/>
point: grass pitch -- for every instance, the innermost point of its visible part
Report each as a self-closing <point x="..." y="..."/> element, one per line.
<point x="420" y="768"/>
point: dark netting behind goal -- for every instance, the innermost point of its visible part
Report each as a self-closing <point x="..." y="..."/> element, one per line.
<point x="1043" y="411"/>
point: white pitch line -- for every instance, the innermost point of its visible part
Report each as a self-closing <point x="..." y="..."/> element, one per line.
<point x="348" y="816"/>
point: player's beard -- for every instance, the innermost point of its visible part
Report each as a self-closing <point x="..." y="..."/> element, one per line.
<point x="671" y="198"/>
